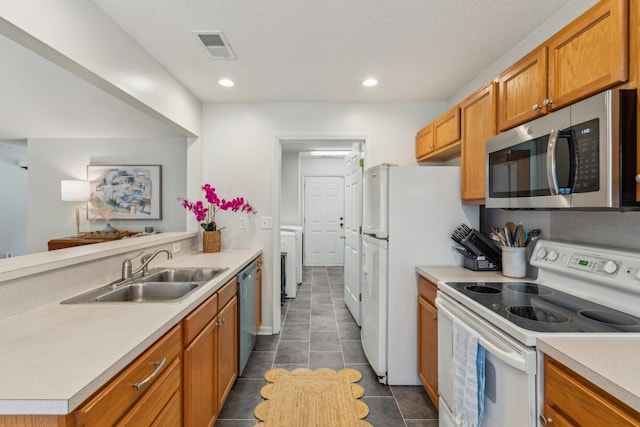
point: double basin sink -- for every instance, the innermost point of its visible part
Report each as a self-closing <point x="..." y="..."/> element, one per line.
<point x="159" y="285"/>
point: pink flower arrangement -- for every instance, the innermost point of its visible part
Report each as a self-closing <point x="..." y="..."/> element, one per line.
<point x="206" y="214"/>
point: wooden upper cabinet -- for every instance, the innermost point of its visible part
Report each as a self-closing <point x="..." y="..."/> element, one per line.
<point x="440" y="140"/>
<point x="424" y="142"/>
<point x="590" y="54"/>
<point x="478" y="123"/>
<point x="522" y="89"/>
<point x="586" y="57"/>
<point x="446" y="128"/>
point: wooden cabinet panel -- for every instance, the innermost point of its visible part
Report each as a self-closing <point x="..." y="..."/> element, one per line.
<point x="428" y="338"/>
<point x="227" y="348"/>
<point x="228" y="291"/>
<point x="428" y="348"/>
<point x="171" y="414"/>
<point x="576" y="401"/>
<point x="152" y="404"/>
<point x="478" y="123"/>
<point x="590" y="54"/>
<point x="200" y="400"/>
<point x="118" y="396"/>
<point x="522" y="89"/>
<point x="424" y="142"/>
<point x="446" y="128"/>
<point x="427" y="289"/>
<point x="195" y="321"/>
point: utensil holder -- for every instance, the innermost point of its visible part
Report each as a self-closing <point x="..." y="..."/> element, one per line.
<point x="514" y="261"/>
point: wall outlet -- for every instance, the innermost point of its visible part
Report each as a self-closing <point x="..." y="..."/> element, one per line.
<point x="176" y="247"/>
<point x="267" y="223"/>
<point x="243" y="222"/>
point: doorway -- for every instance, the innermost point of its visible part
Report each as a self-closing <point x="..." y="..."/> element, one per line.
<point x="323" y="218"/>
<point x="294" y="161"/>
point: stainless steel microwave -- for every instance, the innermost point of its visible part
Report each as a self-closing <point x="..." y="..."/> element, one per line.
<point x="582" y="156"/>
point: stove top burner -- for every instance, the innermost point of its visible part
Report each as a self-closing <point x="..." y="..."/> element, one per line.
<point x="527" y="288"/>
<point x="539" y="308"/>
<point x="537" y="314"/>
<point x="483" y="289"/>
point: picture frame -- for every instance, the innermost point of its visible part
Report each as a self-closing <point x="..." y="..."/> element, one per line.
<point x="124" y="192"/>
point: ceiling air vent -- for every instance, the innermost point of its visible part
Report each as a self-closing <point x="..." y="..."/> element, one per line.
<point x="216" y="44"/>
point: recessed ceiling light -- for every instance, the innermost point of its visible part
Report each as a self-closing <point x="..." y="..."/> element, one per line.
<point x="226" y="82"/>
<point x="369" y="82"/>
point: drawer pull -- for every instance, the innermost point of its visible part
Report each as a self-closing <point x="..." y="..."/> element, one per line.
<point x="545" y="421"/>
<point x="142" y="383"/>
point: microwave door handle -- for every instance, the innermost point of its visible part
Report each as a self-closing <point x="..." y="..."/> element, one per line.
<point x="552" y="176"/>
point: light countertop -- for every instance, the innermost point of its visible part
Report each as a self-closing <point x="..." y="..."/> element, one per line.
<point x="610" y="362"/>
<point x="54" y="357"/>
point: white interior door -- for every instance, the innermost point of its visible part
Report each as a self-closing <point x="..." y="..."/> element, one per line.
<point x="353" y="222"/>
<point x="323" y="220"/>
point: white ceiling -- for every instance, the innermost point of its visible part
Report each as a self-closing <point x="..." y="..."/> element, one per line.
<point x="320" y="50"/>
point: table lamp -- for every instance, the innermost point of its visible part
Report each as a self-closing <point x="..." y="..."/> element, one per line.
<point x="75" y="191"/>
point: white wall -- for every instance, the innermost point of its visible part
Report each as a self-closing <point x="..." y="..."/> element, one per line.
<point x="289" y="189"/>
<point x="13" y="193"/>
<point x="52" y="160"/>
<point x="240" y="156"/>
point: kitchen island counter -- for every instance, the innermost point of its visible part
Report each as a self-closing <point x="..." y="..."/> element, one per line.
<point x="55" y="356"/>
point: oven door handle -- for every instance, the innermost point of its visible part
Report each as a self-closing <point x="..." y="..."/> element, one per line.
<point x="511" y="358"/>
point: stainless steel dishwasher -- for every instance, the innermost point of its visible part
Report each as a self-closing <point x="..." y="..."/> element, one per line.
<point x="248" y="297"/>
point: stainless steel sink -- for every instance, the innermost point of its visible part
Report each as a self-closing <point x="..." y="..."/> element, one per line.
<point x="160" y="285"/>
<point x="181" y="274"/>
<point x="149" y="292"/>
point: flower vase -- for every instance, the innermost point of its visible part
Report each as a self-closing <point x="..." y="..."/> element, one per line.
<point x="211" y="241"/>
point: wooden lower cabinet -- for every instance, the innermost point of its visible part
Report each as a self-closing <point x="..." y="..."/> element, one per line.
<point x="227" y="350"/>
<point x="428" y="338"/>
<point x="571" y="400"/>
<point x="210" y="356"/>
<point x="141" y="391"/>
<point x="200" y="399"/>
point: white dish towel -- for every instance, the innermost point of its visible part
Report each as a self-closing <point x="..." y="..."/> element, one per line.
<point x="468" y="376"/>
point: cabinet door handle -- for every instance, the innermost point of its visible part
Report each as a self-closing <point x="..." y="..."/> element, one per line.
<point x="221" y="322"/>
<point x="638" y="178"/>
<point x="537" y="107"/>
<point x="545" y="421"/>
<point x="547" y="102"/>
<point x="144" y="382"/>
<point x="435" y="317"/>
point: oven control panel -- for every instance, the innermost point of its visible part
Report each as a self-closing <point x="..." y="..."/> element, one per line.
<point x="615" y="267"/>
<point x="595" y="265"/>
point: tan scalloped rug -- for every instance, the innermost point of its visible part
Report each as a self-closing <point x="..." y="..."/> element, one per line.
<point x="302" y="397"/>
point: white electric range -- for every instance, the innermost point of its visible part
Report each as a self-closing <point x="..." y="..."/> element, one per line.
<point x="579" y="290"/>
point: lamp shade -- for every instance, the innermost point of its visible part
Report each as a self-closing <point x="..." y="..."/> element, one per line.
<point x="74" y="190"/>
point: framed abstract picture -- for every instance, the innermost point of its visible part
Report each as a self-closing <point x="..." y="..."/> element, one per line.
<point x="125" y="192"/>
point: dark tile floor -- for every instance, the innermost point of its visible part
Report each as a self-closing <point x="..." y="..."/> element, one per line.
<point x="319" y="332"/>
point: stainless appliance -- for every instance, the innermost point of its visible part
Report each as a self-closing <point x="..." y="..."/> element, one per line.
<point x="248" y="299"/>
<point x="582" y="156"/>
<point x="579" y="290"/>
<point x="408" y="212"/>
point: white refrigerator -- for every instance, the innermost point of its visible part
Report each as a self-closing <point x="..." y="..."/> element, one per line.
<point x="408" y="214"/>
